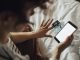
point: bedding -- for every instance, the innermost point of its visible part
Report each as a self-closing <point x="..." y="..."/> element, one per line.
<point x="63" y="11"/>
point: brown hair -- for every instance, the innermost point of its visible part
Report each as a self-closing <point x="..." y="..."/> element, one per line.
<point x="7" y="19"/>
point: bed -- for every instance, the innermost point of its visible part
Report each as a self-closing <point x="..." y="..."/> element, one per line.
<point x="64" y="11"/>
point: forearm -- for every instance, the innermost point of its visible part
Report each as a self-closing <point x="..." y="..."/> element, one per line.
<point x="22" y="36"/>
<point x="55" y="53"/>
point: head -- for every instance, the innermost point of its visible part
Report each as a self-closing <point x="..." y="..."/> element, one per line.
<point x="7" y="21"/>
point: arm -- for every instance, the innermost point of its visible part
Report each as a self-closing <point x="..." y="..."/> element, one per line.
<point x="22" y="36"/>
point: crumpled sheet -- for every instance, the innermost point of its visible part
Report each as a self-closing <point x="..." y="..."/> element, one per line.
<point x="62" y="10"/>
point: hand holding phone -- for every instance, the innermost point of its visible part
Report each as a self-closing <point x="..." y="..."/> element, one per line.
<point x="66" y="31"/>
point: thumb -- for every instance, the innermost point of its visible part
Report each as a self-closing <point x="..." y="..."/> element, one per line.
<point x="48" y="36"/>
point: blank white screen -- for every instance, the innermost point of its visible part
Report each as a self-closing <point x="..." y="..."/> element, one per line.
<point x="65" y="32"/>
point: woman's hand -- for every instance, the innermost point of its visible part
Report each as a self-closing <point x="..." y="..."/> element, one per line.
<point x="64" y="45"/>
<point x="44" y="28"/>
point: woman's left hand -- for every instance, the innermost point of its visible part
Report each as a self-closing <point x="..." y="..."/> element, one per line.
<point x="44" y="28"/>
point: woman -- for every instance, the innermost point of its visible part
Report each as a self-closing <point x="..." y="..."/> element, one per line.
<point x="8" y="19"/>
<point x="8" y="50"/>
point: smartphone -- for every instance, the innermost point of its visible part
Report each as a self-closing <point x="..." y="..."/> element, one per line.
<point x="66" y="31"/>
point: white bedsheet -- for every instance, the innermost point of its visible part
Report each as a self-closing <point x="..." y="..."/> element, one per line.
<point x="62" y="10"/>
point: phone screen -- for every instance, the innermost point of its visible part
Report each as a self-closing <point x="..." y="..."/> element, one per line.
<point x="66" y="31"/>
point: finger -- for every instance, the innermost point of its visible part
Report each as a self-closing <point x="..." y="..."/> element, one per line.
<point x="42" y="23"/>
<point x="71" y="38"/>
<point x="49" y="23"/>
<point x="48" y="36"/>
<point x="50" y="28"/>
<point x="68" y="40"/>
<point x="46" y="23"/>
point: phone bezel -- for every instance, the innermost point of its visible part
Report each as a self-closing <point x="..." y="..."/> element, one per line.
<point x="63" y="27"/>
